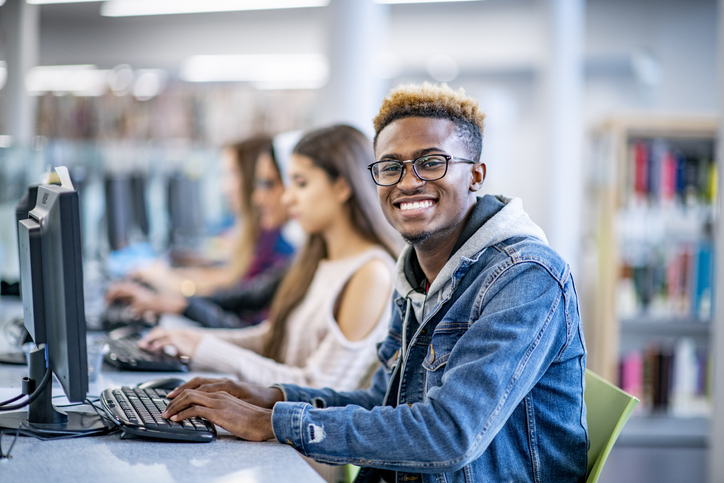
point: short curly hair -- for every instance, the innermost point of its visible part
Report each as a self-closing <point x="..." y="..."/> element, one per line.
<point x="437" y="101"/>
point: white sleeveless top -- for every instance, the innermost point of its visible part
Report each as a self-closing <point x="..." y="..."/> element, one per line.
<point x="315" y="352"/>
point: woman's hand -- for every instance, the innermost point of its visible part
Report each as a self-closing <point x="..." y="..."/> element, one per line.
<point x="144" y="301"/>
<point x="184" y="340"/>
<point x="157" y="274"/>
<point x="240" y="418"/>
<point x="264" y="397"/>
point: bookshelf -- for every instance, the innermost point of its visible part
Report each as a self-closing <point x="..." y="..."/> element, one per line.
<point x="649" y="281"/>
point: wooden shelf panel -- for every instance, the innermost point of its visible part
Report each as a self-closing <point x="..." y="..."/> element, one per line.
<point x="674" y="327"/>
<point x="665" y="431"/>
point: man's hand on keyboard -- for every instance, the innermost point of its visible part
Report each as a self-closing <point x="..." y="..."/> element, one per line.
<point x="263" y="397"/>
<point x="239" y="417"/>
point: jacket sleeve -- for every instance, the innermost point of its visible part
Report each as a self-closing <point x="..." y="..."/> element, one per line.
<point x="326" y="397"/>
<point x="518" y="327"/>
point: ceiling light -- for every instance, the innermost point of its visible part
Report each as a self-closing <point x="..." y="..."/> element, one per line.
<point x="125" y="8"/>
<point x="422" y="1"/>
<point x="274" y="71"/>
<point x="442" y="68"/>
<point x="43" y="2"/>
<point x="149" y="83"/>
<point x="81" y="80"/>
<point x="120" y="79"/>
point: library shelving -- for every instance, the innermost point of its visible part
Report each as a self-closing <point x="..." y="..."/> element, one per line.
<point x="649" y="297"/>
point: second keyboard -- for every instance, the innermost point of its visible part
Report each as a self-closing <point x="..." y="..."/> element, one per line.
<point x="138" y="412"/>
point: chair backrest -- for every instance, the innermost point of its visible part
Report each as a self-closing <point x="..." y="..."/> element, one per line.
<point x="608" y="408"/>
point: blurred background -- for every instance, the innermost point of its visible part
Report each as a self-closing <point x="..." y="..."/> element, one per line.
<point x="602" y="115"/>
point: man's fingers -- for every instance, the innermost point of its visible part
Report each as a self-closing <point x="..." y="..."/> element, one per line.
<point x="191" y="412"/>
<point x="197" y="383"/>
<point x="187" y="398"/>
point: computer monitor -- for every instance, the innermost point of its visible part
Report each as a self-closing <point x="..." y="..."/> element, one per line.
<point x="126" y="210"/>
<point x="33" y="308"/>
<point x="52" y="272"/>
<point x="184" y="210"/>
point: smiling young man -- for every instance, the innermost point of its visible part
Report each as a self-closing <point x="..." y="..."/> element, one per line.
<point x="482" y="371"/>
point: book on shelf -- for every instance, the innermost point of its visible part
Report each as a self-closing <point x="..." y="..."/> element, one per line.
<point x="670" y="378"/>
<point x="661" y="172"/>
<point x="675" y="281"/>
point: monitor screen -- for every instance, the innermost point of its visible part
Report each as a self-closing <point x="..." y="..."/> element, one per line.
<point x="184" y="210"/>
<point x="126" y="210"/>
<point x="52" y="275"/>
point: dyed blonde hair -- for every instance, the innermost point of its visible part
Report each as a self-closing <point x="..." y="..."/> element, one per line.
<point x="435" y="101"/>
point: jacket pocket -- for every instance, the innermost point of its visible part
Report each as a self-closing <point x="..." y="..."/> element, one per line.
<point x="444" y="338"/>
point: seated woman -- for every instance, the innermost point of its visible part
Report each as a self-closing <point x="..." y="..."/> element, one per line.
<point x="241" y="291"/>
<point x="331" y="308"/>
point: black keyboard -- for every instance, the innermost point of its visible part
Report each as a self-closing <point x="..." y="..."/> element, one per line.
<point x="138" y="412"/>
<point x="125" y="354"/>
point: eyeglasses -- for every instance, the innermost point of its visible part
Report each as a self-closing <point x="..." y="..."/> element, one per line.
<point x="431" y="167"/>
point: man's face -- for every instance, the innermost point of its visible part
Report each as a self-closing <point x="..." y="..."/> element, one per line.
<point x="426" y="210"/>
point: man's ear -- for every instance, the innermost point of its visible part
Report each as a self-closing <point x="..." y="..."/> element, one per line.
<point x="477" y="176"/>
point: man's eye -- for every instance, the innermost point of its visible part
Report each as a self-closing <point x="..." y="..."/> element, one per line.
<point x="390" y="168"/>
<point x="430" y="163"/>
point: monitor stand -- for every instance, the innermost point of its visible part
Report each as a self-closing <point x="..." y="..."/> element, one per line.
<point x="42" y="418"/>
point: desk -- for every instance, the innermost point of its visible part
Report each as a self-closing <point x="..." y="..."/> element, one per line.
<point x="109" y="459"/>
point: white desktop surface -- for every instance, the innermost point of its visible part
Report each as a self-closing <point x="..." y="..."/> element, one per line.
<point x="110" y="459"/>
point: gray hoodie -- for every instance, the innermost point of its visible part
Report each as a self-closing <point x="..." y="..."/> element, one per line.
<point x="510" y="221"/>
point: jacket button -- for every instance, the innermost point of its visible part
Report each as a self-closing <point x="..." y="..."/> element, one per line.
<point x="431" y="356"/>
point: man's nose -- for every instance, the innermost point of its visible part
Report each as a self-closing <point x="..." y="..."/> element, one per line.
<point x="410" y="180"/>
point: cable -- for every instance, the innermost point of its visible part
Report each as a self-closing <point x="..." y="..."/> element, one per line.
<point x="101" y="412"/>
<point x="7" y="455"/>
<point x="12" y="400"/>
<point x="32" y="397"/>
<point x="26" y="430"/>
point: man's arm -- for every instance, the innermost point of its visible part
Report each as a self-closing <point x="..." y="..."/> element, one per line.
<point x="520" y="332"/>
<point x="252" y="421"/>
<point x="326" y="397"/>
<point x="492" y="367"/>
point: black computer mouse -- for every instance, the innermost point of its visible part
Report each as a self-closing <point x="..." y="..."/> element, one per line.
<point x="162" y="383"/>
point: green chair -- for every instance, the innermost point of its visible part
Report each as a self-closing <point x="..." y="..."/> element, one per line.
<point x="608" y="409"/>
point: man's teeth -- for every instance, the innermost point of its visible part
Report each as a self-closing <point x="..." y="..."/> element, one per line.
<point x="416" y="205"/>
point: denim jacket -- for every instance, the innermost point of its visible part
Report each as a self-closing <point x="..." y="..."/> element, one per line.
<point x="481" y="379"/>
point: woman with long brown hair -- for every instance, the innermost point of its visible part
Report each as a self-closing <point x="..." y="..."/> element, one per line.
<point x="238" y="293"/>
<point x="331" y="307"/>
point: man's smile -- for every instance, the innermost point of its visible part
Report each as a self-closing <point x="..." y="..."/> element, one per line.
<point x="415" y="205"/>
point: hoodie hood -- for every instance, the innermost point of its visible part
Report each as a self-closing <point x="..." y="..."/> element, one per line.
<point x="507" y="222"/>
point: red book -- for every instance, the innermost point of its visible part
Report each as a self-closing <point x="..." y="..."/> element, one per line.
<point x="641" y="172"/>
<point x="668" y="177"/>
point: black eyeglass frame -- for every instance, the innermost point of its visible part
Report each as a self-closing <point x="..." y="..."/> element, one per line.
<point x="447" y="157"/>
